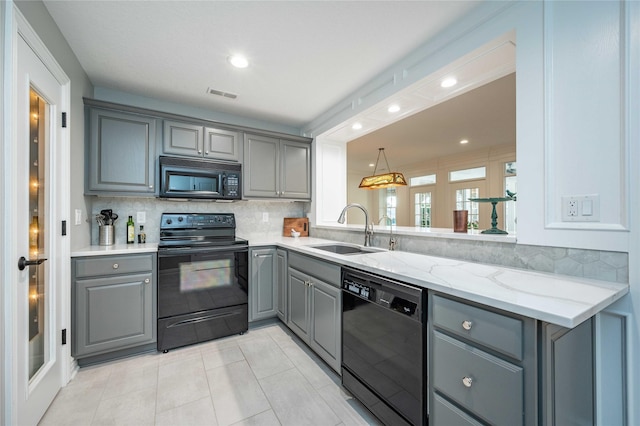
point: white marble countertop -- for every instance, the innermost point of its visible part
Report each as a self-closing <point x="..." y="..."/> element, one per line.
<point x="115" y="249"/>
<point x="557" y="299"/>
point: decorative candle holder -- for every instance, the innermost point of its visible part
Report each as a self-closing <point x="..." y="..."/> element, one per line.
<point x="494" y="215"/>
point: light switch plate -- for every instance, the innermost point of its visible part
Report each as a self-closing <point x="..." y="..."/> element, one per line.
<point x="78" y="218"/>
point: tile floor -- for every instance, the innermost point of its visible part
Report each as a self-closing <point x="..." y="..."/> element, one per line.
<point x="264" y="377"/>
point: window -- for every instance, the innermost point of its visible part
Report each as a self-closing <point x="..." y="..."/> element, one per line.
<point x="388" y="202"/>
<point x="422" y="180"/>
<point x="463" y="203"/>
<point x="422" y="203"/>
<point x="467" y="174"/>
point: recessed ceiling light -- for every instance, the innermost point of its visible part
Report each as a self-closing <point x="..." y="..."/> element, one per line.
<point x="238" y="61"/>
<point x="371" y="164"/>
<point x="464" y="141"/>
<point x="394" y="108"/>
<point x="448" y="82"/>
<point x="356" y="126"/>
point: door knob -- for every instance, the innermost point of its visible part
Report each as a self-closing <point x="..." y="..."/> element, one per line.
<point x="23" y="263"/>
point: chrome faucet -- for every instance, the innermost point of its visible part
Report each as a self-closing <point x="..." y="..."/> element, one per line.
<point x="368" y="227"/>
<point x="392" y="239"/>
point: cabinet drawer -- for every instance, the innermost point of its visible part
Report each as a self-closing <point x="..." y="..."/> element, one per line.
<point x="496" y="331"/>
<point x="325" y="271"/>
<point x="495" y="391"/>
<point x="112" y="265"/>
<point x="445" y="413"/>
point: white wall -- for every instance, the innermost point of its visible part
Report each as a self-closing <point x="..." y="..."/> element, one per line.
<point x="6" y="28"/>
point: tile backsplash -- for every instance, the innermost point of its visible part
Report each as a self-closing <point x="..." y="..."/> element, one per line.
<point x="596" y="264"/>
<point x="603" y="265"/>
<point x="249" y="214"/>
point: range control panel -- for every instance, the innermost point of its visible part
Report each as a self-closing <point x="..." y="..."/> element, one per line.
<point x="197" y="220"/>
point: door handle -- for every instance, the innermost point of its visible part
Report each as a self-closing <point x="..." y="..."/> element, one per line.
<point x="23" y="263"/>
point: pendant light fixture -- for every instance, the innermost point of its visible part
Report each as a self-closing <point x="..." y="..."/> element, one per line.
<point x="385" y="180"/>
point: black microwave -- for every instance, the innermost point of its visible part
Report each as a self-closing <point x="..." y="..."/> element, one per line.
<point x="199" y="179"/>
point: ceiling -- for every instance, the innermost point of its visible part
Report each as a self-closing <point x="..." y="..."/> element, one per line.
<point x="485" y="116"/>
<point x="305" y="56"/>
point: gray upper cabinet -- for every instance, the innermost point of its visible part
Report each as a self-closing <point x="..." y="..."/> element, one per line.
<point x="197" y="140"/>
<point x="262" y="287"/>
<point x="113" y="304"/>
<point x="276" y="168"/>
<point x="121" y="152"/>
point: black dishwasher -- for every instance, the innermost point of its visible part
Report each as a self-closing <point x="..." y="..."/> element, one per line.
<point x="383" y="353"/>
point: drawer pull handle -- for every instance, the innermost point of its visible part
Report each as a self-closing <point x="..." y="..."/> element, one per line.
<point x="467" y="381"/>
<point x="147" y="280"/>
<point x="116" y="266"/>
<point x="467" y="325"/>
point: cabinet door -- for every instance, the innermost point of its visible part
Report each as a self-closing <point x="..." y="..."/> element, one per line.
<point x="261" y="167"/>
<point x="326" y="310"/>
<point x="121" y="152"/>
<point x="221" y="144"/>
<point x="262" y="289"/>
<point x="295" y="180"/>
<point x="568" y="374"/>
<point x="113" y="313"/>
<point x="299" y="303"/>
<point x="182" y="139"/>
<point x="281" y="284"/>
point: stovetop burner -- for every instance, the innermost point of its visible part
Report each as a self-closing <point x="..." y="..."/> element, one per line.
<point x="190" y="230"/>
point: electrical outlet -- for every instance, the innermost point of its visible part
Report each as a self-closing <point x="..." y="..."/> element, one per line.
<point x="141" y="218"/>
<point x="265" y="216"/>
<point x="581" y="208"/>
<point x="78" y="218"/>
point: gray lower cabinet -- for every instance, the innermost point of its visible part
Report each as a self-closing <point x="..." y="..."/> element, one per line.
<point x="198" y="140"/>
<point x="262" y="286"/>
<point x="282" y="265"/>
<point x="487" y="366"/>
<point x="113" y="304"/>
<point x="482" y="365"/>
<point x="567" y="376"/>
<point x="315" y="305"/>
<point x="121" y="152"/>
<point x="276" y="168"/>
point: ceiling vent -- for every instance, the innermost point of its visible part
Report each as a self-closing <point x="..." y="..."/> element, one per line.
<point x="221" y="93"/>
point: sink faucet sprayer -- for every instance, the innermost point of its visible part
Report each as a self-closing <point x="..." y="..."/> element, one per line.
<point x="368" y="227"/>
<point x="392" y="239"/>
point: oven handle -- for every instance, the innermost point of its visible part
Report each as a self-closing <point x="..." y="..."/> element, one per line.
<point x="191" y="250"/>
<point x="203" y="319"/>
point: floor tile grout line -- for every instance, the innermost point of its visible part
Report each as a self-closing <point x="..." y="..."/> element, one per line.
<point x="213" y="405"/>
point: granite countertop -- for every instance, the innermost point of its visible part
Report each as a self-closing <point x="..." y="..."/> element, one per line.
<point x="557" y="299"/>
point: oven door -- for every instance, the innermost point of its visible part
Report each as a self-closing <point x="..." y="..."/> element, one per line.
<point x="202" y="294"/>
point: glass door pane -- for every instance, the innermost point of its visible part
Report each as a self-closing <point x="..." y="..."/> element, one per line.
<point x="37" y="315"/>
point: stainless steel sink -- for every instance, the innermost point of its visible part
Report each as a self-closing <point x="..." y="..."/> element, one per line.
<point x="346" y="249"/>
